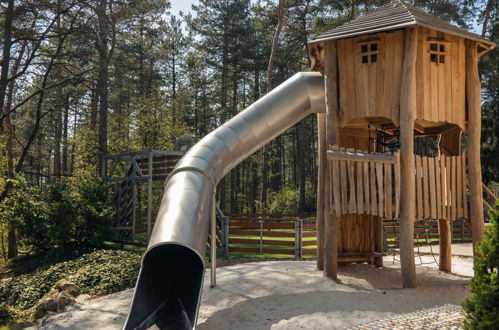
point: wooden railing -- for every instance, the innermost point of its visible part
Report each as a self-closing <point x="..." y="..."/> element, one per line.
<point x="368" y="183"/>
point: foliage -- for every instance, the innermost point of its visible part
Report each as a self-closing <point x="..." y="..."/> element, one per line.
<point x="283" y="201"/>
<point x="482" y="307"/>
<point x="75" y="212"/>
<point x="98" y="272"/>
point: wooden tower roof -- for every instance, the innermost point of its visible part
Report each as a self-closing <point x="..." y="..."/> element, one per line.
<point x="397" y="15"/>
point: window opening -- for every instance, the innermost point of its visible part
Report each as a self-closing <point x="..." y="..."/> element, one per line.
<point x="437" y="52"/>
<point x="369" y="52"/>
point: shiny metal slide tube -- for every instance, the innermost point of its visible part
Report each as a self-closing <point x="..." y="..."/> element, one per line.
<point x="168" y="289"/>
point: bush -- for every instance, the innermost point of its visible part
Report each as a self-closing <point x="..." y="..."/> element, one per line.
<point x="98" y="272"/>
<point x="75" y="212"/>
<point x="482" y="307"/>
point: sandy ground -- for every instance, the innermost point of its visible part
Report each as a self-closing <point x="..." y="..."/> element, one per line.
<point x="294" y="295"/>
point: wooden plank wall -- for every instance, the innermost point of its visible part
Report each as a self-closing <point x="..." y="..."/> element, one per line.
<point x="373" y="90"/>
<point x="440" y="87"/>
<point x="368" y="184"/>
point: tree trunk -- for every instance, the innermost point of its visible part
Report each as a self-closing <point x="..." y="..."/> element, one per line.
<point x="102" y="82"/>
<point x="7" y="42"/>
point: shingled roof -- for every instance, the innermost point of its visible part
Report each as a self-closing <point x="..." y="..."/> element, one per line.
<point x="395" y="15"/>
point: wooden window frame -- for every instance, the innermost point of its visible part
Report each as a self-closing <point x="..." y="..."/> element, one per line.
<point x="441" y="51"/>
<point x="372" y="56"/>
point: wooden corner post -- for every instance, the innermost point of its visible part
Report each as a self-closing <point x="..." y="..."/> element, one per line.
<point x="331" y="226"/>
<point x="407" y="172"/>
<point x="474" y="100"/>
<point x="322" y="160"/>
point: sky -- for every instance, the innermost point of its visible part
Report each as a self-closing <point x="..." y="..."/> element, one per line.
<point x="181" y="5"/>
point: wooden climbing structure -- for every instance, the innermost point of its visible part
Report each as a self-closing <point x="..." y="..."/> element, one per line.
<point x="402" y="87"/>
<point x="134" y="175"/>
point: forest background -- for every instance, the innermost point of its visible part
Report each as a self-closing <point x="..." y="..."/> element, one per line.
<point x="82" y="79"/>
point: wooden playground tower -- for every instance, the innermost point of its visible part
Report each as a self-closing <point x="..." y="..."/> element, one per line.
<point x="392" y="76"/>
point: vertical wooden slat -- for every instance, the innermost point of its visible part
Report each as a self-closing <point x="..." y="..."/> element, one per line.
<point x="443" y="186"/>
<point x="459" y="182"/>
<point x="360" y="188"/>
<point x="426" y="191"/>
<point x="344" y="187"/>
<point x="397" y="186"/>
<point x="372" y="183"/>
<point x="438" y="179"/>
<point x="381" y="193"/>
<point x="352" y="205"/>
<point x="465" y="195"/>
<point x="388" y="189"/>
<point x="419" y="189"/>
<point x="431" y="178"/>
<point x="453" y="187"/>
<point x="321" y="180"/>
<point x="367" y="187"/>
<point x="448" y="183"/>
<point x="336" y="187"/>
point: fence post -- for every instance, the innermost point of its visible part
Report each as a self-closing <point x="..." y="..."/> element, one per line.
<point x="226" y="236"/>
<point x="261" y="236"/>
<point x="298" y="238"/>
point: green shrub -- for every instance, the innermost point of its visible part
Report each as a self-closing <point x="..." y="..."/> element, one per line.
<point x="482" y="307"/>
<point x="97" y="273"/>
<point x="75" y="212"/>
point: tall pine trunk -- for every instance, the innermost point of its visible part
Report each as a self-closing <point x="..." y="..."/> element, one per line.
<point x="102" y="82"/>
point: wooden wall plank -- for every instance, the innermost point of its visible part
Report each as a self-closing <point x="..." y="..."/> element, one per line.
<point x="367" y="187"/>
<point x="465" y="194"/>
<point x="344" y="187"/>
<point x="388" y="189"/>
<point x="433" y="197"/>
<point x="372" y="183"/>
<point x="448" y="183"/>
<point x="397" y="185"/>
<point x="419" y="188"/>
<point x="459" y="194"/>
<point x="360" y="187"/>
<point x="381" y="193"/>
<point x="426" y="190"/>
<point x="438" y="186"/>
<point x="453" y="188"/>
<point x="352" y="200"/>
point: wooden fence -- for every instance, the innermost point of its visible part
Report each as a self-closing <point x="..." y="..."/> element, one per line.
<point x="368" y="183"/>
<point x="294" y="235"/>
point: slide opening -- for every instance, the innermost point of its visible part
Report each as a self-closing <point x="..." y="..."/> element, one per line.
<point x="168" y="291"/>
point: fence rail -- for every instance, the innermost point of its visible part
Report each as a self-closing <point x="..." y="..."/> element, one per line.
<point x="294" y="235"/>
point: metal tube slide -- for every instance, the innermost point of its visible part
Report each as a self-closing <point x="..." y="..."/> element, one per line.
<point x="168" y="289"/>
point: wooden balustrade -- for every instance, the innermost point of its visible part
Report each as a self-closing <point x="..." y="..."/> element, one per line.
<point x="368" y="183"/>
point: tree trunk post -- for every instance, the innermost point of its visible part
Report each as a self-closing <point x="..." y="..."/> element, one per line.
<point x="407" y="172"/>
<point x="474" y="100"/>
<point x="445" y="240"/>
<point x="331" y="220"/>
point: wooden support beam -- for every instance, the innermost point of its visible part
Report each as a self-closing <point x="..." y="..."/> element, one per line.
<point x="321" y="141"/>
<point x="331" y="219"/>
<point x="474" y="100"/>
<point x="407" y="174"/>
<point x="445" y="240"/>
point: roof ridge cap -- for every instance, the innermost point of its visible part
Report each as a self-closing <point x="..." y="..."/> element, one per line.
<point x="407" y="7"/>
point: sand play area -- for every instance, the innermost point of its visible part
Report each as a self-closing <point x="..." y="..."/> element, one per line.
<point x="294" y="295"/>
